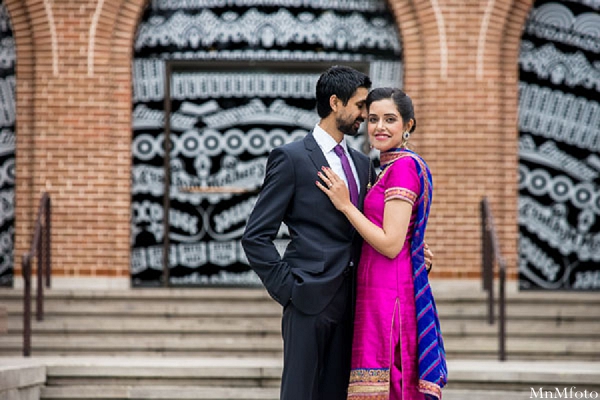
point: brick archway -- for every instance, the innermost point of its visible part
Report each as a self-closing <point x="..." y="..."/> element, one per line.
<point x="462" y="65"/>
<point x="123" y="24"/>
<point x="41" y="77"/>
<point x="413" y="43"/>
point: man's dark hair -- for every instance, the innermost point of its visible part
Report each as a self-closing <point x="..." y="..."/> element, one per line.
<point x="343" y="82"/>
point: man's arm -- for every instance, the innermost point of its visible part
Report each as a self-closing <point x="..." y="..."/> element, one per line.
<point x="264" y="223"/>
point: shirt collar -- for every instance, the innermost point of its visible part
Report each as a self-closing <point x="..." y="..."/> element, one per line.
<point x="325" y="141"/>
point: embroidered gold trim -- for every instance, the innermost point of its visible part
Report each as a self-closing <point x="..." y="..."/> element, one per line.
<point x="370" y="375"/>
<point x="401" y="194"/>
<point x="371" y="384"/>
<point x="430" y="388"/>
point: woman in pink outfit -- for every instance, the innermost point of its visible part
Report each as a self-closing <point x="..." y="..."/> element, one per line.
<point x="398" y="351"/>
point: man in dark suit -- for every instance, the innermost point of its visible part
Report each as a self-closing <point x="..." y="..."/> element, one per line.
<point x="313" y="280"/>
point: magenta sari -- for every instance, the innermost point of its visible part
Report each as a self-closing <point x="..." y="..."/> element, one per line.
<point x="386" y="354"/>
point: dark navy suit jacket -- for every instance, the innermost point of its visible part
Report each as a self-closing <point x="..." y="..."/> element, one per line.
<point x="323" y="242"/>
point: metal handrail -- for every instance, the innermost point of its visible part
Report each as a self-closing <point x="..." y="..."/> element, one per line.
<point x="40" y="248"/>
<point x="490" y="250"/>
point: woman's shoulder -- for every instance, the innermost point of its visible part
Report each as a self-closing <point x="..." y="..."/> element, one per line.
<point x="403" y="165"/>
<point x="402" y="172"/>
<point x="404" y="162"/>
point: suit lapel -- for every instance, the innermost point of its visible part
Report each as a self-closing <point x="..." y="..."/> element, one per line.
<point x="314" y="152"/>
<point x="362" y="164"/>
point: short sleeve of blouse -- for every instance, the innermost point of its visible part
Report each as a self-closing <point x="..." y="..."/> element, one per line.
<point x="401" y="181"/>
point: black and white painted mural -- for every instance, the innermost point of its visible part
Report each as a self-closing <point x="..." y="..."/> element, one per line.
<point x="559" y="169"/>
<point x="7" y="147"/>
<point x="250" y="88"/>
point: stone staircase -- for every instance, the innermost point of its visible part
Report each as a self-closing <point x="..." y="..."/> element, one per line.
<point x="246" y="323"/>
<point x="150" y="322"/>
<point x="225" y="344"/>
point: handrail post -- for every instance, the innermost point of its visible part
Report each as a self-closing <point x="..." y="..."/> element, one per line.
<point x="26" y="271"/>
<point x="491" y="313"/>
<point x="487" y="258"/>
<point x="40" y="281"/>
<point x="48" y="241"/>
<point x="484" y="246"/>
<point x="40" y="248"/>
<point x="491" y="255"/>
<point x="502" y="313"/>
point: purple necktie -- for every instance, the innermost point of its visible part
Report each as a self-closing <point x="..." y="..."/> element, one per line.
<point x="339" y="150"/>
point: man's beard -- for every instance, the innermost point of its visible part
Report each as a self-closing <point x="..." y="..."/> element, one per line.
<point x="348" y="128"/>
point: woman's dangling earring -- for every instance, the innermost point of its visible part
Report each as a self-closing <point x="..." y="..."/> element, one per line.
<point x="405" y="137"/>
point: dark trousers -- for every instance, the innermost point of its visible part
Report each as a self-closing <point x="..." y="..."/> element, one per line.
<point x="317" y="350"/>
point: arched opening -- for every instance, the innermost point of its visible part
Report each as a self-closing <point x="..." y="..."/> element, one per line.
<point x="559" y="166"/>
<point x="240" y="81"/>
<point x="7" y="147"/>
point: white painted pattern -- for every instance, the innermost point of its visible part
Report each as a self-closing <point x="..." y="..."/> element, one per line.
<point x="282" y="28"/>
<point x="443" y="42"/>
<point x="53" y="36"/>
<point x="559" y="116"/>
<point x="92" y="37"/>
<point x="7" y="146"/>
<point x="344" y="5"/>
<point x="549" y="63"/>
<point x="223" y="124"/>
<point x="555" y="22"/>
<point x="481" y="41"/>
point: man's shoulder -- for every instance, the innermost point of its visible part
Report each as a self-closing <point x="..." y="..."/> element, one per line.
<point x="294" y="147"/>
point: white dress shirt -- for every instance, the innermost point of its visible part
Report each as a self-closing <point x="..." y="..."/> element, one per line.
<point x="327" y="143"/>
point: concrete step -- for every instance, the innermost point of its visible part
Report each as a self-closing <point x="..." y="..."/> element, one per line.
<point x="519" y="348"/>
<point x="53" y="325"/>
<point x="166" y="294"/>
<point x="178" y="344"/>
<point x="524" y="348"/>
<point x="154" y="308"/>
<point x="21" y="381"/>
<point x="584" y="310"/>
<point x="185" y="371"/>
<point x="72" y="325"/>
<point x="523" y="375"/>
<point x="521" y="328"/>
<point x="212" y="393"/>
<point x="157" y="392"/>
<point x="558" y="314"/>
<point x="450" y="394"/>
<point x="445" y="291"/>
<point x="225" y="378"/>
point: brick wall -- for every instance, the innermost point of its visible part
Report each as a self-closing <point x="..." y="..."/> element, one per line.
<point x="461" y="67"/>
<point x="74" y="128"/>
<point x="74" y="123"/>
